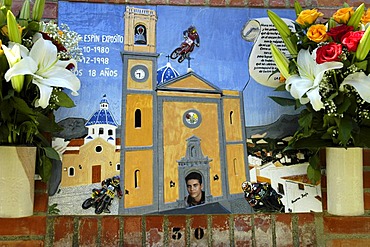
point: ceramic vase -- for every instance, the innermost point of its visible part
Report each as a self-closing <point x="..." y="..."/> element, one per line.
<point x="17" y="172"/>
<point x="344" y="173"/>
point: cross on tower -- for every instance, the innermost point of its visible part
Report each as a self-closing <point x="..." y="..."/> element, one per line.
<point x="189" y="58"/>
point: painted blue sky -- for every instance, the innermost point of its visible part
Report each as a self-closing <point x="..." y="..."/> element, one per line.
<point x="221" y="59"/>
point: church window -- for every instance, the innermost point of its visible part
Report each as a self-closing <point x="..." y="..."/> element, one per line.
<point x="192" y="118"/>
<point x="71" y="171"/>
<point x="137" y="178"/>
<point x="101" y="131"/>
<point x="98" y="149"/>
<point x="235" y="164"/>
<point x="80" y="166"/>
<point x="110" y="132"/>
<point x="301" y="186"/>
<point x="118" y="166"/>
<point x="140" y="35"/>
<point x="93" y="131"/>
<point x="281" y="189"/>
<point x="231" y="117"/>
<point x="137" y="118"/>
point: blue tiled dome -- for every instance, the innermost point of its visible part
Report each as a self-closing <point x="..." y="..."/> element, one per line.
<point x="103" y="115"/>
<point x="166" y="73"/>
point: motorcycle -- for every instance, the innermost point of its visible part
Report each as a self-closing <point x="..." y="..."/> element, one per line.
<point x="265" y="199"/>
<point x="94" y="200"/>
<point x="106" y="200"/>
<point x="187" y="46"/>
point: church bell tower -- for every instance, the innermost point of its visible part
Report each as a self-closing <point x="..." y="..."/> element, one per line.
<point x="138" y="138"/>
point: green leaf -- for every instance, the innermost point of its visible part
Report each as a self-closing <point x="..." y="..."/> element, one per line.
<point x="280" y="88"/>
<point x="22" y="106"/>
<point x="305" y="120"/>
<point x="313" y="174"/>
<point x="47" y="124"/>
<point x="345" y="129"/>
<point x="344" y="106"/>
<point x="45" y="167"/>
<point x="364" y="140"/>
<point x="63" y="99"/>
<point x="283" y="101"/>
<point x="51" y="153"/>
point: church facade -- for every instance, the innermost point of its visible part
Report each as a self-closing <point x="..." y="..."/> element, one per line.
<point x="173" y="125"/>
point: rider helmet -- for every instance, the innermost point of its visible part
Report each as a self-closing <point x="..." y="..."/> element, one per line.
<point x="247" y="186"/>
<point x="115" y="180"/>
<point x="192" y="29"/>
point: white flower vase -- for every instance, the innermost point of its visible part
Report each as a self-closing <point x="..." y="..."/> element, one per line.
<point x="344" y="174"/>
<point x="17" y="172"/>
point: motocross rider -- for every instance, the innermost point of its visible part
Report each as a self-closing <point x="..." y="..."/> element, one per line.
<point x="115" y="182"/>
<point x="191" y="36"/>
<point x="262" y="197"/>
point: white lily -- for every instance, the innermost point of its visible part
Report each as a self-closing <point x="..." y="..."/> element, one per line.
<point x="361" y="82"/>
<point x="13" y="55"/>
<point x="47" y="70"/>
<point x="305" y="86"/>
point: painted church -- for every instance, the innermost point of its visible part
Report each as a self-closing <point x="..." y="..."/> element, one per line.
<point x="171" y="125"/>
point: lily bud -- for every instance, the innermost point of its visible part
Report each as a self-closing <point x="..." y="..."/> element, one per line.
<point x="2" y="14"/>
<point x="38" y="10"/>
<point x="279" y="24"/>
<point x="297" y="7"/>
<point x="281" y="61"/>
<point x="13" y="31"/>
<point x="8" y="4"/>
<point x="24" y="15"/>
<point x="356" y="17"/>
<point x="17" y="82"/>
<point x="363" y="46"/>
<point x="292" y="48"/>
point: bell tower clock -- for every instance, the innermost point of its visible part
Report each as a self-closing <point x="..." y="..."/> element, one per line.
<point x="138" y="138"/>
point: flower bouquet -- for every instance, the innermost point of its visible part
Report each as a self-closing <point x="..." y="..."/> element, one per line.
<point x="37" y="60"/>
<point x="326" y="72"/>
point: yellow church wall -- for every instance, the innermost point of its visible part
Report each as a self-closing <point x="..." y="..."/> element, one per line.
<point x="140" y="192"/>
<point x="174" y="143"/>
<point x="134" y="136"/>
<point x="84" y="161"/>
<point x="232" y="121"/>
<point x="235" y="167"/>
<point x="187" y="94"/>
<point x="191" y="82"/>
<point x="131" y="84"/>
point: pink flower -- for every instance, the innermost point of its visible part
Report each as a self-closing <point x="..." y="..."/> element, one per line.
<point x="351" y="40"/>
<point x="328" y="53"/>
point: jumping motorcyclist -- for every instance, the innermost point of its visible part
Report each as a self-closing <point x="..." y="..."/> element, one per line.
<point x="262" y="197"/>
<point x="192" y="39"/>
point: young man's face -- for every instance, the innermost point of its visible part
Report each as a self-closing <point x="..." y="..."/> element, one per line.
<point x="194" y="189"/>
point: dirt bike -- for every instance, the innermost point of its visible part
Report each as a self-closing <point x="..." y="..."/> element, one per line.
<point x="184" y="50"/>
<point x="94" y="200"/>
<point x="106" y="200"/>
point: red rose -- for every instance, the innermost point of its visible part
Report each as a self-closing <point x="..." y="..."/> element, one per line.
<point x="338" y="32"/>
<point x="328" y="53"/>
<point x="351" y="40"/>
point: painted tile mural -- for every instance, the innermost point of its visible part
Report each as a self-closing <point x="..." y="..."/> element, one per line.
<point x="173" y="116"/>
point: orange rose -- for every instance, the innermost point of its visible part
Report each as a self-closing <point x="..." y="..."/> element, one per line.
<point x="366" y="17"/>
<point x="308" y="16"/>
<point x="342" y="15"/>
<point x="317" y="33"/>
